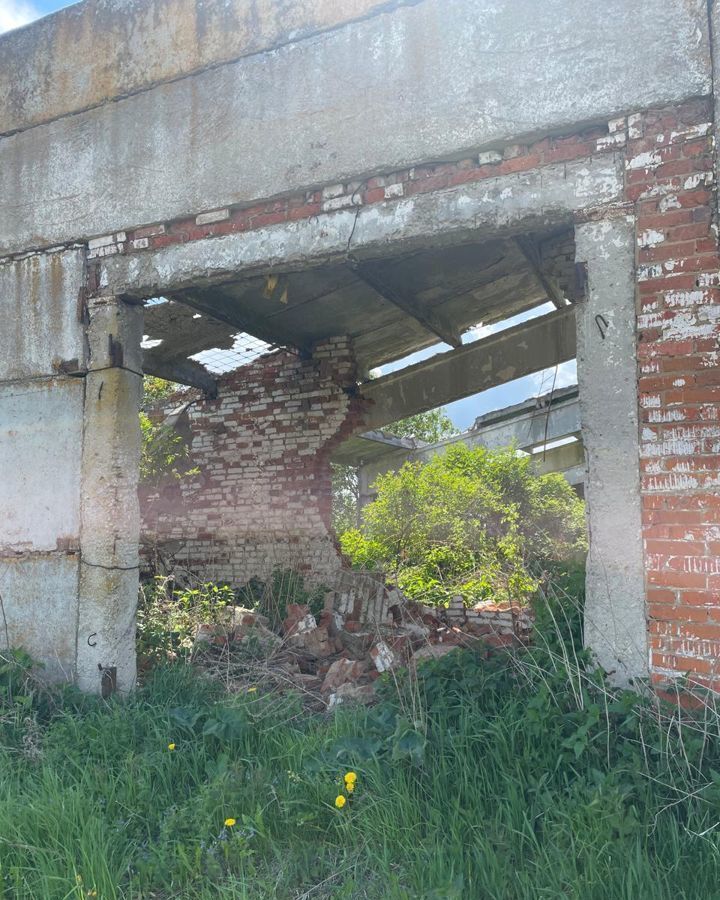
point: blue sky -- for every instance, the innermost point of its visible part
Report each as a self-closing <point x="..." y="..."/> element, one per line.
<point x="14" y="13"/>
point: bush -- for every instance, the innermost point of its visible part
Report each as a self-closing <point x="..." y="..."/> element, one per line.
<point x="469" y="522"/>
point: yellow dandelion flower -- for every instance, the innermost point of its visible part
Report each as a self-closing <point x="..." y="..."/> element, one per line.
<point x="340" y="801"/>
<point x="171" y="747"/>
<point x="92" y="893"/>
<point x="230" y="822"/>
<point x="251" y="690"/>
<point x="350" y="778"/>
<point x="349" y="786"/>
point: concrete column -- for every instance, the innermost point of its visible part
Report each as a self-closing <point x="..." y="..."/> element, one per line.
<point x="615" y="619"/>
<point x="69" y="447"/>
<point x="110" y="514"/>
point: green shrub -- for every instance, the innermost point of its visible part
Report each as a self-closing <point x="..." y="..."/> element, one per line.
<point x="469" y="522"/>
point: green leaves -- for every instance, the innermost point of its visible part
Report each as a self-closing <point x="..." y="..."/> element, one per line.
<point x="467" y="522"/>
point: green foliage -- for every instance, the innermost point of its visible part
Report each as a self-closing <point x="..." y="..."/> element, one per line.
<point x="468" y="522"/>
<point x="517" y="778"/>
<point x="155" y="391"/>
<point x="345" y="497"/>
<point x="164" y="451"/>
<point x="428" y="426"/>
<point x="431" y="426"/>
<point x="168" y="616"/>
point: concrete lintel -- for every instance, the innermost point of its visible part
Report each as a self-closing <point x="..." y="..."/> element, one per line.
<point x="553" y="194"/>
<point x="615" y="619"/>
<point x="505" y="356"/>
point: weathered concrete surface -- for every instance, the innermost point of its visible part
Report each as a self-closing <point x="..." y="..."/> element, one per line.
<point x="531" y="198"/>
<point x="435" y="80"/>
<point x="39" y="597"/>
<point x="615" y="620"/>
<point x="40" y="451"/>
<point x="39" y="309"/>
<point x="110" y="510"/>
<point x="93" y="52"/>
<point x="476" y="367"/>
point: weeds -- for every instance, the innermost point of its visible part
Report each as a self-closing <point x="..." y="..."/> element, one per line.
<point x="520" y="777"/>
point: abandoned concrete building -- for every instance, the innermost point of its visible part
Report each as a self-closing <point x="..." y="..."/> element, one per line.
<point x="349" y="183"/>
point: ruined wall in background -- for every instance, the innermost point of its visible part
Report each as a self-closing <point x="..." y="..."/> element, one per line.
<point x="263" y="496"/>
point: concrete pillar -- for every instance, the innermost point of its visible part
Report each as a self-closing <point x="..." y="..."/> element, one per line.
<point x="68" y="463"/>
<point x="615" y="618"/>
<point x="110" y="512"/>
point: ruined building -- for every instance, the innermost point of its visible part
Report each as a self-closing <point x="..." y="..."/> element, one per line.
<point x="351" y="182"/>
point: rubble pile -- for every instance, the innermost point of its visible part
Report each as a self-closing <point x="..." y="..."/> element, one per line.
<point x="364" y="630"/>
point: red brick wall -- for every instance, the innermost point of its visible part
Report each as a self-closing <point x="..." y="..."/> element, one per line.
<point x="670" y="180"/>
<point x="262" y="498"/>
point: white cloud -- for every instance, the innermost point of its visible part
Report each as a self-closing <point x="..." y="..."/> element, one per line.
<point x="566" y="375"/>
<point x="14" y="13"/>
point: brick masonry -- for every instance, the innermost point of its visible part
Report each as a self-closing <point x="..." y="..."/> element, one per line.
<point x="669" y="178"/>
<point x="266" y="478"/>
<point x="263" y="495"/>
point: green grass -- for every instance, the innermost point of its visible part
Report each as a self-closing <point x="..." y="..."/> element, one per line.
<point x="479" y="780"/>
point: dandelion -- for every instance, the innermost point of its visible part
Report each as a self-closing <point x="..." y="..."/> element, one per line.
<point x="171" y="747"/>
<point x="349" y="786"/>
<point x="92" y="893"/>
<point x="340" y="801"/>
<point x="251" y="690"/>
<point x="229" y="822"/>
<point x="350" y="778"/>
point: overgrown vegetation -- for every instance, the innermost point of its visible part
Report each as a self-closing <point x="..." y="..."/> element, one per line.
<point x="164" y="451"/>
<point x="516" y="778"/>
<point x="170" y="614"/>
<point x="429" y="426"/>
<point x="473" y="522"/>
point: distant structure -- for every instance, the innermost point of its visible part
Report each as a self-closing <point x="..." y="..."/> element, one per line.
<point x="546" y="427"/>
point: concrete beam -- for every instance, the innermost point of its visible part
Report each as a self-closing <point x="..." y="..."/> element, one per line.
<point x="181" y="371"/>
<point x="552" y="195"/>
<point x="429" y="320"/>
<point x="522" y="350"/>
<point x="470" y="80"/>
<point x="93" y="52"/>
<point x="615" y="620"/>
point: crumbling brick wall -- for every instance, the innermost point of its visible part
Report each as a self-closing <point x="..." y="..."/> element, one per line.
<point x="262" y="498"/>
